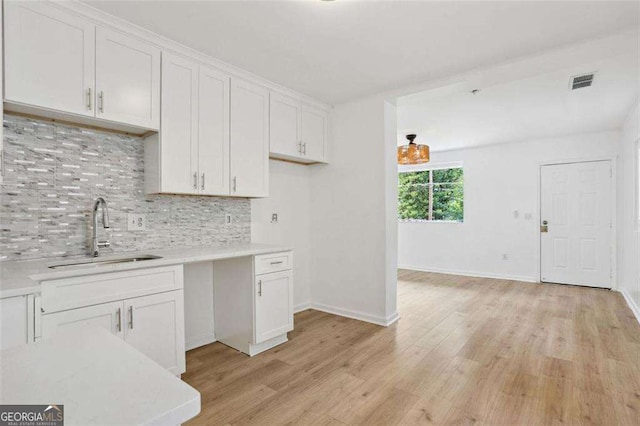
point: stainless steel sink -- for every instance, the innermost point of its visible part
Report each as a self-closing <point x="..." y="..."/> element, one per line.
<point x="94" y="263"/>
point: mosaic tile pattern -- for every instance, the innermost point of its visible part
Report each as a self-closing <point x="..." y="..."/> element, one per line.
<point x="53" y="173"/>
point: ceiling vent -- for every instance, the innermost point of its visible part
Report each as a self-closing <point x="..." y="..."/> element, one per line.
<point x="581" y="81"/>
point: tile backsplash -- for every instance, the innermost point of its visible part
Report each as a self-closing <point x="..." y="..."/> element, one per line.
<point x="55" y="171"/>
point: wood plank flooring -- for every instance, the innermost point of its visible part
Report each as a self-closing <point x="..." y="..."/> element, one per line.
<point x="466" y="350"/>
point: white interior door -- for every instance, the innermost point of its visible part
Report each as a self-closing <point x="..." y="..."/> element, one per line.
<point x="50" y="57"/>
<point x="127" y="80"/>
<point x="576" y="209"/>
<point x="155" y="327"/>
<point x="213" y="132"/>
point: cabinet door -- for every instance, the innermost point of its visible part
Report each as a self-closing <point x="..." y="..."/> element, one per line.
<point x="314" y="133"/>
<point x="284" y="126"/>
<point x="274" y="305"/>
<point x="109" y="316"/>
<point x="213" y="132"/>
<point x="13" y="322"/>
<point x="50" y="57"/>
<point x="249" y="139"/>
<point x="127" y="80"/>
<point x="178" y="137"/>
<point x="155" y="326"/>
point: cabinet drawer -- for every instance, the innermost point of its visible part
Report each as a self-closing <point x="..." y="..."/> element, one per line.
<point x="273" y="262"/>
<point x="69" y="293"/>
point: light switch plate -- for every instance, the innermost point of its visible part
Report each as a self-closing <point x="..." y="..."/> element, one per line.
<point x="136" y="222"/>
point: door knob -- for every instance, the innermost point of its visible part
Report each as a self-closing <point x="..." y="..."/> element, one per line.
<point x="545" y="226"/>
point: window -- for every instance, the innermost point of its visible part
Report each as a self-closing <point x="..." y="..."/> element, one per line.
<point x="431" y="195"/>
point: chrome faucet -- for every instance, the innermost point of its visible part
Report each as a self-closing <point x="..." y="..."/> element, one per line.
<point x="95" y="244"/>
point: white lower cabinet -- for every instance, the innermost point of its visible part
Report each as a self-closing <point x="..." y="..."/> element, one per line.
<point x="14" y="321"/>
<point x="105" y="315"/>
<point x="153" y="322"/>
<point x="274" y="305"/>
<point x="253" y="311"/>
<point x="155" y="326"/>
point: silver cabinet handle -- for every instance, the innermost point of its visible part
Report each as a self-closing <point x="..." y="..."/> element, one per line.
<point x="101" y="101"/>
<point x="304" y="148"/>
<point x="260" y="288"/>
<point x="131" y="317"/>
<point x="89" y="98"/>
<point x="202" y="184"/>
<point x="300" y="147"/>
<point x="195" y="180"/>
<point x="119" y="320"/>
<point x="277" y="263"/>
<point x="234" y="184"/>
<point x="1" y="162"/>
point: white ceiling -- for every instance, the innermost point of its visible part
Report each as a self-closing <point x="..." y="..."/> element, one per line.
<point x="537" y="107"/>
<point x="335" y="51"/>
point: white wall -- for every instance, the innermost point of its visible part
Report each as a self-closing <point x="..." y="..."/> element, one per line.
<point x="353" y="241"/>
<point x="628" y="236"/>
<point x="498" y="180"/>
<point x="198" y="304"/>
<point x="289" y="198"/>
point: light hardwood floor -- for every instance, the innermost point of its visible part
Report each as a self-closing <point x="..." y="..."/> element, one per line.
<point x="466" y="350"/>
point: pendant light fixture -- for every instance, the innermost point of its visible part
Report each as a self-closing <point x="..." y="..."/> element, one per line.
<point x="413" y="153"/>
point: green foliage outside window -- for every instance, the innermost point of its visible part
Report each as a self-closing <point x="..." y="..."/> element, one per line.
<point x="444" y="188"/>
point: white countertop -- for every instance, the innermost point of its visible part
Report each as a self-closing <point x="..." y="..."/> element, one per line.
<point x="23" y="277"/>
<point x="98" y="378"/>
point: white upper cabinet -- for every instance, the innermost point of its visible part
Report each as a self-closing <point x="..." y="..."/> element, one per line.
<point x="213" y="132"/>
<point x="298" y="131"/>
<point x="60" y="65"/>
<point x="284" y="126"/>
<point x="50" y="60"/>
<point x="178" y="139"/>
<point x="190" y="155"/>
<point x="314" y="133"/>
<point x="249" y="139"/>
<point x="127" y="80"/>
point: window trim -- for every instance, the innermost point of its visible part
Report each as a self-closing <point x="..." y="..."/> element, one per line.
<point x="430" y="167"/>
<point x="403" y="168"/>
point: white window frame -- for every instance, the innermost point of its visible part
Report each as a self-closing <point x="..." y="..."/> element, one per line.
<point x="430" y="167"/>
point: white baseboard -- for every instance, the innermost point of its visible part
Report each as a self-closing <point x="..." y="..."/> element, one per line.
<point x="632" y="304"/>
<point x="196" y="342"/>
<point x="392" y="318"/>
<point x="522" y="278"/>
<point x="355" y="314"/>
<point x="301" y="307"/>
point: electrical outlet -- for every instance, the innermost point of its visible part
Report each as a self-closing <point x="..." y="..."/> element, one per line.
<point x="274" y="217"/>
<point x="136" y="222"/>
<point x="505" y="256"/>
<point x="228" y="219"/>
